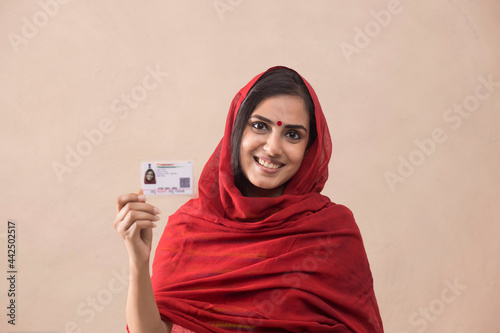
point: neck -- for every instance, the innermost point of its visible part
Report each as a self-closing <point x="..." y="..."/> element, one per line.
<point x="254" y="191"/>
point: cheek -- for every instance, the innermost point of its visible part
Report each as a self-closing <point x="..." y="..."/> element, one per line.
<point x="296" y="154"/>
<point x="244" y="150"/>
<point x="248" y="143"/>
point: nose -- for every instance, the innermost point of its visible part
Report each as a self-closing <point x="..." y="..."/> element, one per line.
<point x="273" y="144"/>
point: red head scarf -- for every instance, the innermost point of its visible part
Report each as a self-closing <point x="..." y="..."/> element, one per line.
<point x="301" y="267"/>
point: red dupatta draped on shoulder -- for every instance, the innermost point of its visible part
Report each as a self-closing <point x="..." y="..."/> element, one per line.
<point x="295" y="263"/>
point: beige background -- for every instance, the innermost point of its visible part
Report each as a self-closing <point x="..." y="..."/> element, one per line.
<point x="64" y="69"/>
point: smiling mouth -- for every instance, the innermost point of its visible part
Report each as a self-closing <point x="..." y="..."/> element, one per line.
<point x="267" y="164"/>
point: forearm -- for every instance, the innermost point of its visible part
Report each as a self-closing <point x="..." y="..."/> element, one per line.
<point x="142" y="311"/>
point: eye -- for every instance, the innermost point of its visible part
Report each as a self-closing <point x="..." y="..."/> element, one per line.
<point x="294" y="135"/>
<point x="259" y="125"/>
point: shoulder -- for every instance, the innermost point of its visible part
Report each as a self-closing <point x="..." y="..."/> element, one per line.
<point x="339" y="211"/>
<point x="337" y="219"/>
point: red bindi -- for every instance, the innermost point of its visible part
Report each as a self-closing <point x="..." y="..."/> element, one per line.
<point x="279" y="123"/>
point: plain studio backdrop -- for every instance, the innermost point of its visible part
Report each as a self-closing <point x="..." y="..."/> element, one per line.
<point x="411" y="90"/>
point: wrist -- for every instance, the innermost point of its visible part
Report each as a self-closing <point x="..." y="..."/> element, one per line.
<point x="138" y="267"/>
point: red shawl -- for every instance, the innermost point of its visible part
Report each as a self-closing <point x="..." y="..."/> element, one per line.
<point x="301" y="267"/>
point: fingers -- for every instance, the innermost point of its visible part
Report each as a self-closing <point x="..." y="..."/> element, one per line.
<point x="132" y="217"/>
<point x="134" y="222"/>
<point x="138" y="207"/>
<point x="136" y="228"/>
<point x="131" y="197"/>
<point x="132" y="209"/>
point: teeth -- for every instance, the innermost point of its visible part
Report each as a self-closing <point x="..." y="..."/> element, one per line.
<point x="268" y="165"/>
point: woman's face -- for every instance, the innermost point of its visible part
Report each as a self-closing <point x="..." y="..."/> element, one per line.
<point x="149" y="175"/>
<point x="274" y="143"/>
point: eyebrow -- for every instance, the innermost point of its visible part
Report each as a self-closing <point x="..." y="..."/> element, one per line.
<point x="272" y="123"/>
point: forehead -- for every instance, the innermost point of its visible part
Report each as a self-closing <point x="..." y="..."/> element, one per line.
<point x="285" y="108"/>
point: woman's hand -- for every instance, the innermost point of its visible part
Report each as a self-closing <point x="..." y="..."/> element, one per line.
<point x="134" y="222"/>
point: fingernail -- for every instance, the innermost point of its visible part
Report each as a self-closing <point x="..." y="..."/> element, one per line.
<point x="157" y="218"/>
<point x="141" y="198"/>
<point x="154" y="225"/>
<point x="156" y="210"/>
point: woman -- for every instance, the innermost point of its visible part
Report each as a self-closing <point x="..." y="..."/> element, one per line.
<point x="149" y="177"/>
<point x="260" y="249"/>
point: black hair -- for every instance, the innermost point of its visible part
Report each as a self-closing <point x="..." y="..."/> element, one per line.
<point x="279" y="81"/>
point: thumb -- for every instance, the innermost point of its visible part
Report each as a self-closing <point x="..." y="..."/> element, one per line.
<point x="141" y="193"/>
